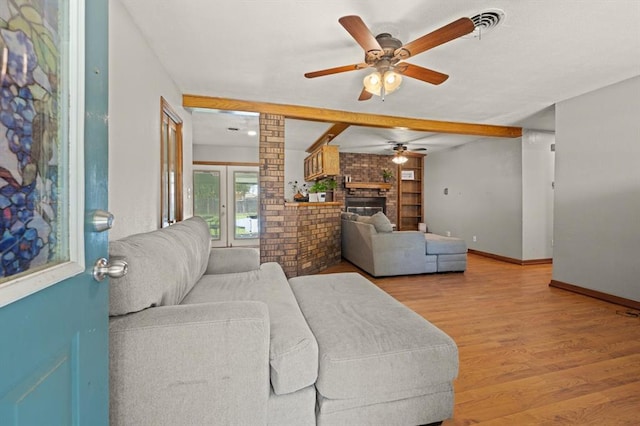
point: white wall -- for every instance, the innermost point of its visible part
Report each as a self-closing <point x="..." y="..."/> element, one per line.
<point x="137" y="80"/>
<point x="484" y="180"/>
<point x="229" y="154"/>
<point x="597" y="196"/>
<point x="293" y="170"/>
<point x="537" y="194"/>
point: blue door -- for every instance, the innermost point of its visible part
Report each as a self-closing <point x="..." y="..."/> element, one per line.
<point x="53" y="335"/>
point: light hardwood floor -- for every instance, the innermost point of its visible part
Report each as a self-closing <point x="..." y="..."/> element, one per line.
<point x="529" y="354"/>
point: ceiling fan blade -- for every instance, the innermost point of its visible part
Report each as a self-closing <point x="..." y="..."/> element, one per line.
<point x="442" y="35"/>
<point x="364" y="95"/>
<point x="421" y="73"/>
<point x="360" y="32"/>
<point x="336" y="70"/>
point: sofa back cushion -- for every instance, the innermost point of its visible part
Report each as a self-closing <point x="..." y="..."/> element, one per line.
<point x="164" y="265"/>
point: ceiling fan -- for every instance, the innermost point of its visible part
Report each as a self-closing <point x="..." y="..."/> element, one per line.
<point x="400" y="148"/>
<point x="387" y="54"/>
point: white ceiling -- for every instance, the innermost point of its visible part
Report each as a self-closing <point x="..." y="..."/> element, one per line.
<point x="543" y="52"/>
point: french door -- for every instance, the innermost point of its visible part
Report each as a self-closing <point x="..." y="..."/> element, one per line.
<point x="227" y="198"/>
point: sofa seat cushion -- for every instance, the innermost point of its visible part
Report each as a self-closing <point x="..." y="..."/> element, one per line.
<point x="163" y="266"/>
<point x="369" y="343"/>
<point x="438" y="244"/>
<point x="293" y="352"/>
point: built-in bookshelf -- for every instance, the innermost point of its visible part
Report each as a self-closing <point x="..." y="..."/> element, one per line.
<point x="410" y="192"/>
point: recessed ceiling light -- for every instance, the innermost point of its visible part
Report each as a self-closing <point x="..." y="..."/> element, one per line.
<point x="252" y="133"/>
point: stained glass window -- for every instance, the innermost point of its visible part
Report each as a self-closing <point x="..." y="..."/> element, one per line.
<point x="34" y="129"/>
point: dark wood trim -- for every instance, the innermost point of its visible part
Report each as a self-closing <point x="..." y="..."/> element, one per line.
<point x="224" y="163"/>
<point x="547" y="261"/>
<point x="168" y="109"/>
<point x="368" y="185"/>
<point x="169" y="118"/>
<point x="314" y="204"/>
<point x="512" y="260"/>
<point x="496" y="256"/>
<point x="351" y="118"/>
<point x="596" y="294"/>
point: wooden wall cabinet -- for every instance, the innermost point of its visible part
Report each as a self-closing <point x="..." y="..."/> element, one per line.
<point x="323" y="162"/>
<point x="410" y="193"/>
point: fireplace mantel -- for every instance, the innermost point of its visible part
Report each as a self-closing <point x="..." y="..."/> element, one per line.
<point x="383" y="186"/>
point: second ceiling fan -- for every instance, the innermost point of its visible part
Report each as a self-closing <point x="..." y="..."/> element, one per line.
<point x="387" y="54"/>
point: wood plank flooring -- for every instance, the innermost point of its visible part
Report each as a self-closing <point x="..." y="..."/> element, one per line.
<point x="529" y="354"/>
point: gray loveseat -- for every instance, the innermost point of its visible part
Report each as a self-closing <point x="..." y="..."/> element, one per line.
<point x="212" y="337"/>
<point x="370" y="243"/>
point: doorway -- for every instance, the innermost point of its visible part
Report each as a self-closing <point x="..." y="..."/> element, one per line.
<point x="227" y="198"/>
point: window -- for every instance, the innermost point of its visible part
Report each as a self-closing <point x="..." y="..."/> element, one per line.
<point x="170" y="166"/>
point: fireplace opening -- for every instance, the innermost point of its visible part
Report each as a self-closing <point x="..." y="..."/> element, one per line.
<point x="366" y="206"/>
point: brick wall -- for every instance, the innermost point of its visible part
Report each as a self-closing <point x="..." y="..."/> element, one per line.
<point x="303" y="239"/>
<point x="318" y="236"/>
<point x="368" y="168"/>
<point x="273" y="222"/>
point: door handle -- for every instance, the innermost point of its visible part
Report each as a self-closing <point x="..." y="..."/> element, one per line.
<point x="116" y="269"/>
<point x="101" y="220"/>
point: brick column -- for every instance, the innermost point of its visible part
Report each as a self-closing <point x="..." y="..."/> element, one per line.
<point x="304" y="238"/>
<point x="277" y="243"/>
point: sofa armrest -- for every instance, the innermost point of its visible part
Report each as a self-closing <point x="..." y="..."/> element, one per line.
<point x="232" y="260"/>
<point x="398" y="252"/>
<point x="190" y="364"/>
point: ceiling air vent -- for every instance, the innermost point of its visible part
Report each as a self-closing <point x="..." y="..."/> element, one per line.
<point x="486" y="21"/>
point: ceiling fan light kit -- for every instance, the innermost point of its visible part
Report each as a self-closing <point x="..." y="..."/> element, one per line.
<point x="380" y="85"/>
<point x="399" y="158"/>
<point x="399" y="148"/>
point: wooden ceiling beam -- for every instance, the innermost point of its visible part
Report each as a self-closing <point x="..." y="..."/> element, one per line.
<point x="351" y="118"/>
<point x="328" y="136"/>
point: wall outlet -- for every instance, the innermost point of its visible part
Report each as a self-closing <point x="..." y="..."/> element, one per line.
<point x="448" y="233"/>
<point x="475" y="238"/>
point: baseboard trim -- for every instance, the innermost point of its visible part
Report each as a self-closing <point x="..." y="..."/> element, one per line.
<point x="596" y="294"/>
<point x="512" y="260"/>
<point x="547" y="261"/>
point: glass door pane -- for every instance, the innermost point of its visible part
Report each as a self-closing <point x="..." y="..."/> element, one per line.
<point x="245" y="203"/>
<point x="209" y="201"/>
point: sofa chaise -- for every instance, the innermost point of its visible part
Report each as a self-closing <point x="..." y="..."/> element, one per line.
<point x="211" y="336"/>
<point x="370" y="243"/>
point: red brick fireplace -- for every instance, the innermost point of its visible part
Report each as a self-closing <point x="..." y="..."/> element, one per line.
<point x="368" y="168"/>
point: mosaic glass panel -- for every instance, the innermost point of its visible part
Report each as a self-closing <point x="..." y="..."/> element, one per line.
<point x="33" y="136"/>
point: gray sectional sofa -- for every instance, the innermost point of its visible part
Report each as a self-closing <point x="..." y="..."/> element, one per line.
<point x="211" y="336"/>
<point x="370" y="243"/>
